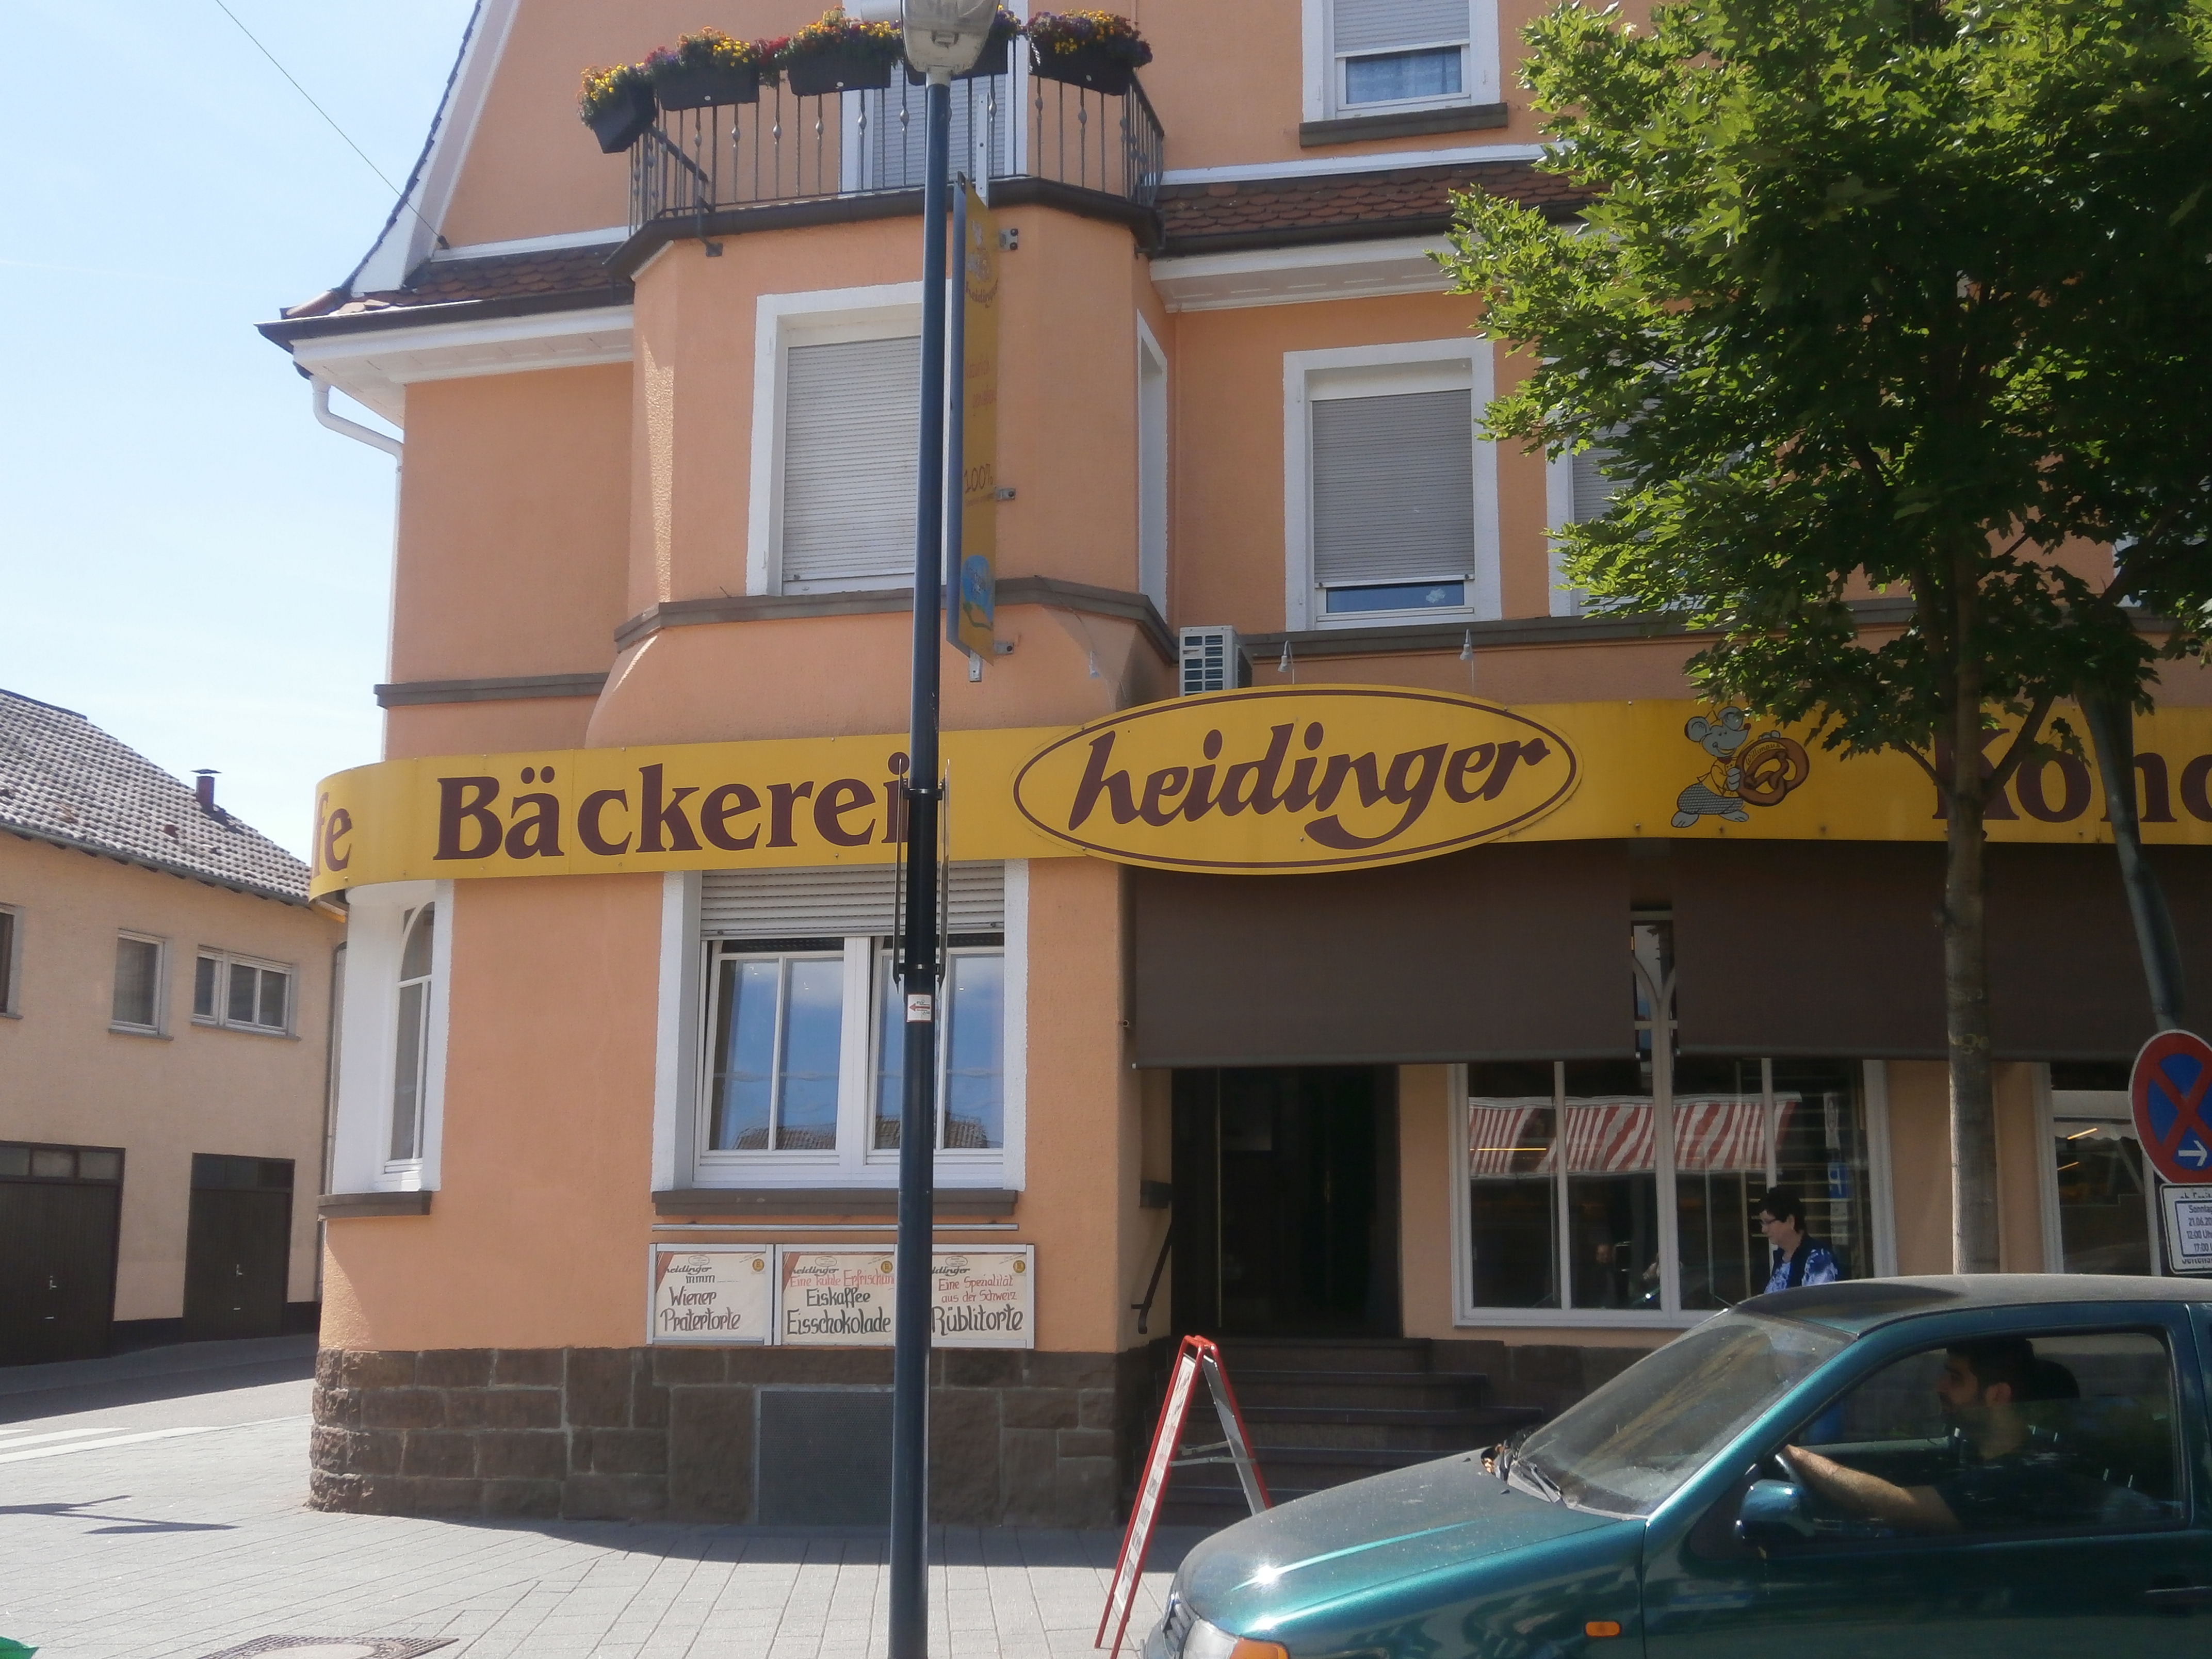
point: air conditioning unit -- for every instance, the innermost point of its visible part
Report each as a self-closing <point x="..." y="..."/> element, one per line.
<point x="1213" y="660"/>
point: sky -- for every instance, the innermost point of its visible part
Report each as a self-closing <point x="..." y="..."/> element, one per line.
<point x="186" y="556"/>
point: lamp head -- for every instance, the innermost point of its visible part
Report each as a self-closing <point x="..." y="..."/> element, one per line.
<point x="940" y="34"/>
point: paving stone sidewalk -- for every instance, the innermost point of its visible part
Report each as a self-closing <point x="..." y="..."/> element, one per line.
<point x="177" y="1530"/>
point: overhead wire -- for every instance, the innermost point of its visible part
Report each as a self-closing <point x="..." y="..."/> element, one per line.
<point x="332" y="121"/>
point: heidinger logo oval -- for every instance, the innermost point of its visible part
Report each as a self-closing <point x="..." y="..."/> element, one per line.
<point x="1296" y="778"/>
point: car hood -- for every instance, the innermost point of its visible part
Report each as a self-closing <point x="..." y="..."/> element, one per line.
<point x="1346" y="1541"/>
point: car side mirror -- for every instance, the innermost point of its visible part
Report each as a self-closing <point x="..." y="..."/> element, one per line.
<point x="1772" y="1512"/>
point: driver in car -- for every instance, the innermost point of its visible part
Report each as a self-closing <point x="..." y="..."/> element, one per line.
<point x="2013" y="1479"/>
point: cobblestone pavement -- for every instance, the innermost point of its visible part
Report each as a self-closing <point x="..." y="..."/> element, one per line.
<point x="176" y="1528"/>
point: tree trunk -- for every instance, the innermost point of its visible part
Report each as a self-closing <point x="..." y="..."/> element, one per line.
<point x="1966" y="954"/>
<point x="2111" y="723"/>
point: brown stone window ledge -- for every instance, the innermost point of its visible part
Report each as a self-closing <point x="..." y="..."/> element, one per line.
<point x="332" y="1206"/>
<point x="1412" y="123"/>
<point x="980" y="1203"/>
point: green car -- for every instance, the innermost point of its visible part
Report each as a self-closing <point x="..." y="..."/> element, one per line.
<point x="2010" y="1466"/>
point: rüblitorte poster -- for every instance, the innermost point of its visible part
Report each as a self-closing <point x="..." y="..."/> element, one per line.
<point x="718" y="1293"/>
<point x="840" y="1295"/>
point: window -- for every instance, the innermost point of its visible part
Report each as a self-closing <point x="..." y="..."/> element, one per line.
<point x="851" y="443"/>
<point x="1391" y="500"/>
<point x="137" y="984"/>
<point x="2036" y="1432"/>
<point x="1152" y="470"/>
<point x="249" y="996"/>
<point x="411" y="1059"/>
<point x="1576" y="490"/>
<point x="1379" y="56"/>
<point x="1631" y="1187"/>
<point x="8" y="971"/>
<point x="2099" y="1204"/>
<point x="20" y="1161"/>
<point x="801" y="1035"/>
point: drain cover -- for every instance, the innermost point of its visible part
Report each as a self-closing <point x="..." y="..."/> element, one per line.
<point x="337" y="1647"/>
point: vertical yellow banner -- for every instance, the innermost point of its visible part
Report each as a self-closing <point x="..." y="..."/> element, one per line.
<point x="977" y="595"/>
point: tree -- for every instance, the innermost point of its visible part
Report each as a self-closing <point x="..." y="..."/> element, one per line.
<point x="1884" y="296"/>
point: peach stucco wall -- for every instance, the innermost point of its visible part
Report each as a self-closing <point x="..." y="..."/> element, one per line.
<point x="1920" y="1166"/>
<point x="66" y="1077"/>
<point x="537" y="1235"/>
<point x="511" y="508"/>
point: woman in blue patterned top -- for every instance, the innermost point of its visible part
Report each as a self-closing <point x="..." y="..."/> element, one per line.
<point x="1799" y="1258"/>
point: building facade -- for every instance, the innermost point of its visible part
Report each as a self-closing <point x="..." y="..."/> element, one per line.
<point x="165" y="1001"/>
<point x="1454" y="989"/>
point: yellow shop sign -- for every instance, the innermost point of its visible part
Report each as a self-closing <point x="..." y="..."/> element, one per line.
<point x="1277" y="780"/>
<point x="1296" y="778"/>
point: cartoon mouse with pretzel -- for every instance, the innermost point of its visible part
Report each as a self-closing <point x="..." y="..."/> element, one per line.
<point x="1745" y="770"/>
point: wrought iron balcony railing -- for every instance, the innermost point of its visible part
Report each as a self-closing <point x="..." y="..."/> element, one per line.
<point x="785" y="148"/>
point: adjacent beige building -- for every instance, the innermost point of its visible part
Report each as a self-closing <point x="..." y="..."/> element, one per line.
<point x="165" y="996"/>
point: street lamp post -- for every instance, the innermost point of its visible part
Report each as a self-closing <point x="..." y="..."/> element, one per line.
<point x="943" y="38"/>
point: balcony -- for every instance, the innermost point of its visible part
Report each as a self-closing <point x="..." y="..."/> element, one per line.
<point x="1088" y="149"/>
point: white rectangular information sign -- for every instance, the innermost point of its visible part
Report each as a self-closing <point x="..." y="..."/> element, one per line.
<point x="2188" y="1211"/>
<point x="718" y="1293"/>
<point x="840" y="1295"/>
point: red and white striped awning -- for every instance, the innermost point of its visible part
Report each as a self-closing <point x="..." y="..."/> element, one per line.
<point x="1611" y="1137"/>
<point x="1617" y="1137"/>
<point x="1725" y="1133"/>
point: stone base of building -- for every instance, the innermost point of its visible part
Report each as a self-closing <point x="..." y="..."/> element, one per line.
<point x="650" y="1434"/>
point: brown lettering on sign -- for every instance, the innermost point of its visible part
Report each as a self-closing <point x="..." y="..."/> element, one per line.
<point x="587" y="821"/>
<point x="2192" y="789"/>
<point x="539" y="835"/>
<point x="656" y="815"/>
<point x="336" y="829"/>
<point x="836" y="799"/>
<point x="781" y="797"/>
<point x="731" y="800"/>
<point x="466" y="803"/>
<point x="1220" y="790"/>
<point x="2072" y="803"/>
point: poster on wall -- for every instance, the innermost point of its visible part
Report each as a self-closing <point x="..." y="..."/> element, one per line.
<point x="715" y="1293"/>
<point x="841" y="1296"/>
<point x="2188" y="1212"/>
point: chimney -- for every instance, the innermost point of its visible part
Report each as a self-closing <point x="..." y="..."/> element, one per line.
<point x="203" y="786"/>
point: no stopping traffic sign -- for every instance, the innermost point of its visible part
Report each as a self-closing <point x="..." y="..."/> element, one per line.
<point x="2169" y="1087"/>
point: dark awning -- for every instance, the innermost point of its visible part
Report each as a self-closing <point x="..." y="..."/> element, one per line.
<point x="1499" y="952"/>
<point x="1798" y="948"/>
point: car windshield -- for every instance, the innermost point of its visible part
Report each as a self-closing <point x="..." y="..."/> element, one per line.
<point x="1628" y="1446"/>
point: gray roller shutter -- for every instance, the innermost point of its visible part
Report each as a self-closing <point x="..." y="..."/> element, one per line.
<point x="1382" y="25"/>
<point x="1394" y="486"/>
<point x="840" y="900"/>
<point x="1594" y="491"/>
<point x="850" y="442"/>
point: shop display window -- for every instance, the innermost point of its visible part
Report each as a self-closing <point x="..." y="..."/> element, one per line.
<point x="1631" y="1187"/>
<point x="2100" y="1203"/>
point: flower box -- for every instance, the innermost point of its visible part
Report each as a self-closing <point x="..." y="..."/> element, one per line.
<point x="622" y="115"/>
<point x="679" y="85"/>
<point x="1092" y="68"/>
<point x="821" y="73"/>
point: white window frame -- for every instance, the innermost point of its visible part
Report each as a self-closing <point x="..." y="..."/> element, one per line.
<point x="1480" y="72"/>
<point x="376" y="935"/>
<point x="160" y="1023"/>
<point x="683" y="1069"/>
<point x="1466" y="1313"/>
<point x="1154" y="461"/>
<point x="2112" y="1106"/>
<point x="951" y="1160"/>
<point x="224" y="961"/>
<point x="1371" y="370"/>
<point x="821" y="317"/>
<point x="1558" y="513"/>
<point x="11" y="964"/>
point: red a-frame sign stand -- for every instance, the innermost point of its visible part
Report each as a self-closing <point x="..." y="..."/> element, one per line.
<point x="1197" y="1355"/>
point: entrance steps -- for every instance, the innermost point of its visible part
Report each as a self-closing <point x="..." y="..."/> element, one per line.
<point x="1322" y="1412"/>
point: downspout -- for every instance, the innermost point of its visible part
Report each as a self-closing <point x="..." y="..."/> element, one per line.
<point x="353" y="429"/>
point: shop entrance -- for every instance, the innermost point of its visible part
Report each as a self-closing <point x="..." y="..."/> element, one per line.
<point x="1286" y="1201"/>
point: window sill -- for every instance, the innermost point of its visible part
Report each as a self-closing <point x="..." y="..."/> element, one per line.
<point x="986" y="1202"/>
<point x="10" y="1013"/>
<point x="332" y="1206"/>
<point x="244" y="1031"/>
<point x="1402" y="124"/>
<point x="138" y="1031"/>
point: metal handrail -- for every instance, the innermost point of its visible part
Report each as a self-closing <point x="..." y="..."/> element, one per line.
<point x="788" y="148"/>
